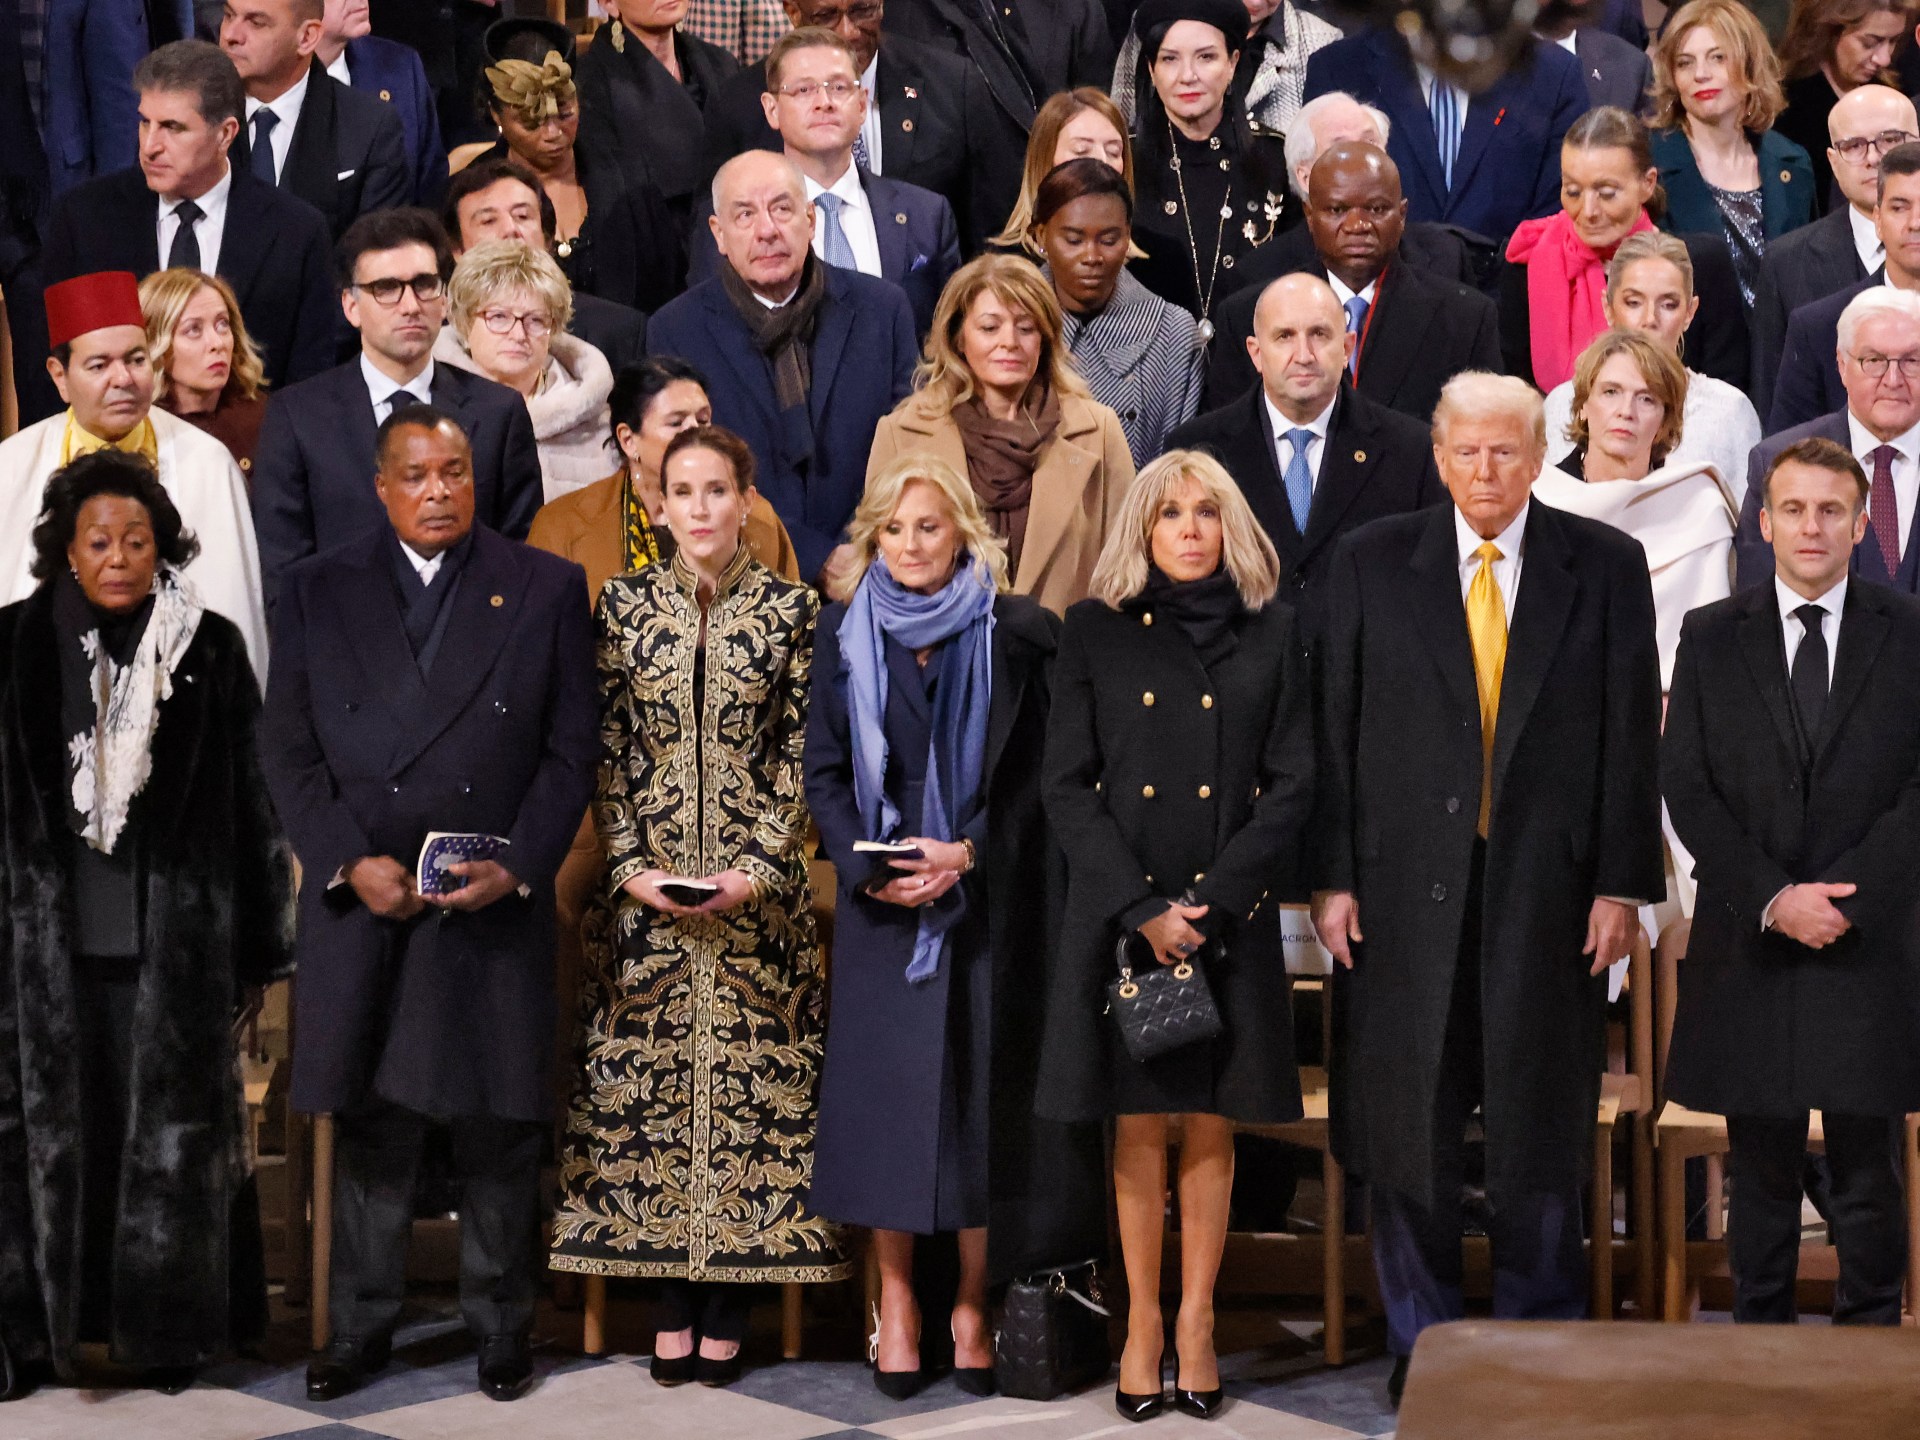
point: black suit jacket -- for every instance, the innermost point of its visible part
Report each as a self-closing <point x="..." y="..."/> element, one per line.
<point x="1754" y="556"/>
<point x="921" y="92"/>
<point x="617" y="331"/>
<point x="365" y="755"/>
<point x="313" y="470"/>
<point x="1422" y="331"/>
<point x="1375" y="462"/>
<point x="1765" y="1025"/>
<point x="1800" y="267"/>
<point x="273" y="252"/>
<point x="1616" y="73"/>
<point x="1576" y="814"/>
<point x="348" y="156"/>
<point x="1808" y="383"/>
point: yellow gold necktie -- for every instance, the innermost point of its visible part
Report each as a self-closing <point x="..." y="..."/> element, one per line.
<point x="1487" y="628"/>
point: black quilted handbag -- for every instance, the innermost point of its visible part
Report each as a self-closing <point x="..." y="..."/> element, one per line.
<point x="1053" y="1334"/>
<point x="1162" y="1007"/>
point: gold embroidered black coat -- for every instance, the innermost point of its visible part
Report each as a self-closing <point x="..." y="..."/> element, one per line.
<point x="689" y="1145"/>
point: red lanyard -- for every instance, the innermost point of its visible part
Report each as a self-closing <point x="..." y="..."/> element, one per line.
<point x="1379" y="289"/>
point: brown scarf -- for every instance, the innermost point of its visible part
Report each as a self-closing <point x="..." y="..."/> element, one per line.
<point x="784" y="335"/>
<point x="1001" y="456"/>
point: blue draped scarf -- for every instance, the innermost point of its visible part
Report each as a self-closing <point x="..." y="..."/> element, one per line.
<point x="962" y="612"/>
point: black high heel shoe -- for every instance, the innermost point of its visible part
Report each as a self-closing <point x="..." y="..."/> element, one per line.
<point x="973" y="1379"/>
<point x="716" y="1374"/>
<point x="1201" y="1404"/>
<point x="677" y="1371"/>
<point x="1142" y="1407"/>
<point x="894" y="1384"/>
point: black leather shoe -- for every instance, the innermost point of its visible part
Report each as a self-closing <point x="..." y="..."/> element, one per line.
<point x="172" y="1379"/>
<point x="716" y="1374"/>
<point x="1139" y="1407"/>
<point x="17" y="1378"/>
<point x="671" y="1372"/>
<point x="1201" y="1404"/>
<point x="343" y="1366"/>
<point x="1397" y="1381"/>
<point x="975" y="1379"/>
<point x="506" y="1367"/>
<point x="899" y="1384"/>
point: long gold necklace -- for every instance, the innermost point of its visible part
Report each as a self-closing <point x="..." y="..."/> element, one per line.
<point x="1193" y="248"/>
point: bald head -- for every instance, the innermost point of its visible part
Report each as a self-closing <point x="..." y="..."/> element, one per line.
<point x="1355" y="211"/>
<point x="1300" y="345"/>
<point x="1866" y="113"/>
<point x="762" y="222"/>
<point x="1325" y="121"/>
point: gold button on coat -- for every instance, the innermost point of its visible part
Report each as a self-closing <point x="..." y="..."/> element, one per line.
<point x="1206" y="702"/>
<point x="1147" y="699"/>
<point x="1147" y="619"/>
<point x="1206" y="792"/>
<point x="1146" y="792"/>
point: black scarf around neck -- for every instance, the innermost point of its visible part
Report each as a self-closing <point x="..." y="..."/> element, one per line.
<point x="1208" y="610"/>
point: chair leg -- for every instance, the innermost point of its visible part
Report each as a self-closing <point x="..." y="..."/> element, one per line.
<point x="1333" y="1239"/>
<point x="322" y="1310"/>
<point x="593" y="1316"/>
<point x="1600" y="1225"/>
<point x="1913" y="1219"/>
<point x="1673" y="1234"/>
<point x="1716" y="1197"/>
<point x="792" y="1319"/>
<point x="1640" y="1217"/>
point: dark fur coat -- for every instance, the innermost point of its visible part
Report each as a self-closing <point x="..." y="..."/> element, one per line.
<point x="218" y="917"/>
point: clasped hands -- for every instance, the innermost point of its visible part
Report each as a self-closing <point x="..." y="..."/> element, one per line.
<point x="387" y="888"/>
<point x="1807" y="913"/>
<point x="925" y="880"/>
<point x="1610" y="925"/>
<point x="736" y="888"/>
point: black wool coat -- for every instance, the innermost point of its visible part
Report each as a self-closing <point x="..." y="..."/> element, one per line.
<point x="218" y="916"/>
<point x="1767" y="1026"/>
<point x="881" y="1088"/>
<point x="1576" y="815"/>
<point x="1164" y="774"/>
<point x="448" y="1014"/>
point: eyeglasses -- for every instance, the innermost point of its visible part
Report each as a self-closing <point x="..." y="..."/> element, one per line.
<point x="838" y="91"/>
<point x="1875" y="366"/>
<point x="1855" y="147"/>
<point x="501" y="322"/>
<point x="858" y="14"/>
<point x="386" y="293"/>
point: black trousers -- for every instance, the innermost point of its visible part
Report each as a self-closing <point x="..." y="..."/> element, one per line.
<point x="1866" y="1215"/>
<point x="717" y="1310"/>
<point x="377" y="1153"/>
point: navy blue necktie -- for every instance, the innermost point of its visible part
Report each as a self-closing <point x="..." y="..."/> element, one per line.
<point x="261" y="161"/>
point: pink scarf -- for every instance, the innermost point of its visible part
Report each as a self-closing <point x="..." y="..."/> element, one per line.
<point x="1566" y="291"/>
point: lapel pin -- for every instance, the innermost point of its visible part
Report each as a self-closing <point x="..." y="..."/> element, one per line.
<point x="386" y="95"/>
<point x="1596" y="74"/>
<point x="1359" y="457"/>
<point x="497" y="601"/>
<point x="900" y="217"/>
<point x="907" y="125"/>
<point x="1786" y="177"/>
<point x="911" y="93"/>
<point x="1501" y="116"/>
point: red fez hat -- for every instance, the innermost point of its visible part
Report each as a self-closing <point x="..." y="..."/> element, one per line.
<point x="91" y="302"/>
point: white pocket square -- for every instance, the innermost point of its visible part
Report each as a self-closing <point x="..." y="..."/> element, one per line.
<point x="344" y="175"/>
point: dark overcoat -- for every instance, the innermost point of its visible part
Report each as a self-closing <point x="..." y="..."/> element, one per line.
<point x="1164" y="774"/>
<point x="887" y="1040"/>
<point x="447" y="1014"/>
<point x="1576" y="814"/>
<point x="643" y="126"/>
<point x="1767" y="1026"/>
<point x="218" y="907"/>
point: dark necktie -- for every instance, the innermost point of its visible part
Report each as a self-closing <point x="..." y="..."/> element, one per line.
<point x="1810" y="672"/>
<point x="185" y="253"/>
<point x="261" y="161"/>
<point x="1883" y="509"/>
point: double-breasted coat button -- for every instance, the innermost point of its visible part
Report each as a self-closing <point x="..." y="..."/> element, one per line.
<point x="1439" y="892"/>
<point x="1198" y="876"/>
<point x="1147" y="699"/>
<point x="1206" y="702"/>
<point x="1206" y="792"/>
<point x="1359" y="457"/>
<point x="394" y="788"/>
<point x="1147" y="618"/>
<point x="496" y="601"/>
<point x="1453" y="805"/>
<point x="1146" y="792"/>
<point x="501" y="706"/>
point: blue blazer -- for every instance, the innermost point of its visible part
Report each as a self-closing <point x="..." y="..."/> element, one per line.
<point x="919" y="242"/>
<point x="1786" y="184"/>
<point x="864" y="352"/>
<point x="1508" y="169"/>
<point x="392" y="72"/>
<point x="90" y="118"/>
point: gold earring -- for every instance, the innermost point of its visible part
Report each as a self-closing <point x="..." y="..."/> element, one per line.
<point x="619" y="35"/>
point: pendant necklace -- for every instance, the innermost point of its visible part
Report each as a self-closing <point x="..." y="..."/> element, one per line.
<point x="1193" y="249"/>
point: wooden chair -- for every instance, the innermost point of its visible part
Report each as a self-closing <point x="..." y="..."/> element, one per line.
<point x="1627" y="1096"/>
<point x="1682" y="1135"/>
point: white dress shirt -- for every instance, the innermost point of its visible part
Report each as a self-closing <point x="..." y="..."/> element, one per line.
<point x="340" y="70"/>
<point x="856" y="219"/>
<point x="426" y="569"/>
<point x="870" y="127"/>
<point x="287" y="107"/>
<point x="1316" y="447"/>
<point x="1793" y="632"/>
<point x="1460" y="97"/>
<point x="1867" y="243"/>
<point x="1906" y="468"/>
<point x="1506" y="570"/>
<point x="1343" y="294"/>
<point x="383" y="388"/>
<point x="208" y="230"/>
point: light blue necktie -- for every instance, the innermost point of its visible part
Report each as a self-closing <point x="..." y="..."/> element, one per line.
<point x="833" y="236"/>
<point x="1446" y="126"/>
<point x="1356" y="323"/>
<point x="1299" y="479"/>
<point x="261" y="161"/>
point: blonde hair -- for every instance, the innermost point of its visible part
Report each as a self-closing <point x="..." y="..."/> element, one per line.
<point x="1475" y="393"/>
<point x="1666" y="379"/>
<point x="882" y="497"/>
<point x="1043" y="139"/>
<point x="1650" y="245"/>
<point x="496" y="267"/>
<point x="1750" y="59"/>
<point x="164" y="297"/>
<point x="943" y="377"/>
<point x="1245" y="549"/>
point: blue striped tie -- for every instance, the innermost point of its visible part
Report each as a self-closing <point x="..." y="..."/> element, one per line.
<point x="1356" y="309"/>
<point x="1299" y="479"/>
<point x="1446" y="126"/>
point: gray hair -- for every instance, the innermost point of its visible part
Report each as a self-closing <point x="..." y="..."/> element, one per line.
<point x="1303" y="147"/>
<point x="1881" y="300"/>
<point x="751" y="157"/>
<point x="1478" y="393"/>
<point x="197" y="68"/>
